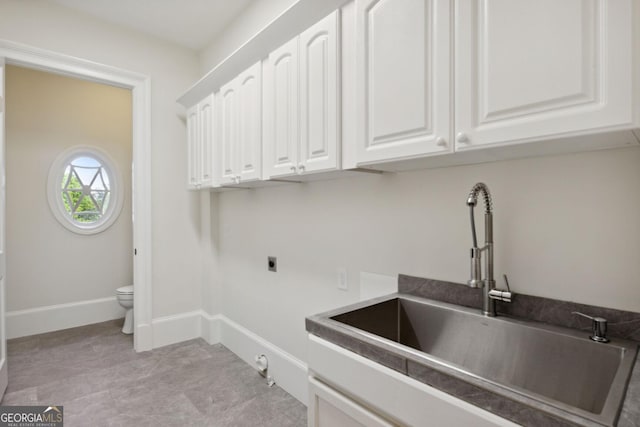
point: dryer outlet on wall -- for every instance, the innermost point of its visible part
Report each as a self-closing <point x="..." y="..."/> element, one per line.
<point x="342" y="279"/>
<point x="272" y="263"/>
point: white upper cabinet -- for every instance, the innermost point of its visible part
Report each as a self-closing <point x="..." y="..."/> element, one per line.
<point x="301" y="103"/>
<point x="200" y="144"/>
<point x="403" y="78"/>
<point x="281" y="111"/>
<point x="206" y="119"/>
<point x="249" y="154"/>
<point x="529" y="70"/>
<point x="228" y="143"/>
<point x="405" y="84"/>
<point x="319" y="96"/>
<point x="240" y="119"/>
<point x="193" y="143"/>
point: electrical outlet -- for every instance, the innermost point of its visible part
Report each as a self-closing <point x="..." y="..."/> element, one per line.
<point x="272" y="264"/>
<point x="342" y="279"/>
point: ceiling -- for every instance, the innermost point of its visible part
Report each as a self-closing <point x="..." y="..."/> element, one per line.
<point x="188" y="23"/>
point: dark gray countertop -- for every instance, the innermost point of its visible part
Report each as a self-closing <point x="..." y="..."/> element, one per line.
<point x="475" y="391"/>
<point x="630" y="415"/>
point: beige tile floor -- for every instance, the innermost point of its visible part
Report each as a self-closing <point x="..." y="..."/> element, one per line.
<point x="95" y="374"/>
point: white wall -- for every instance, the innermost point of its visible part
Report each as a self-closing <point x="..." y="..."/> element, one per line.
<point x="176" y="275"/>
<point x="566" y="227"/>
<point x="47" y="263"/>
<point x="256" y="16"/>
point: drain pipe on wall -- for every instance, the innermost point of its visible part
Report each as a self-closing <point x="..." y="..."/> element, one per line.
<point x="262" y="364"/>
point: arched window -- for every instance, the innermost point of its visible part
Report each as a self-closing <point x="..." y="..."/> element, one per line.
<point x="85" y="193"/>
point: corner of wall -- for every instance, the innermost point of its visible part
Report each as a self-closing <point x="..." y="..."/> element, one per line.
<point x="287" y="371"/>
<point x="176" y="328"/>
<point x="256" y="16"/>
<point x="210" y="328"/>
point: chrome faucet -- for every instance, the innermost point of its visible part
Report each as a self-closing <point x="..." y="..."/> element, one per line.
<point x="490" y="294"/>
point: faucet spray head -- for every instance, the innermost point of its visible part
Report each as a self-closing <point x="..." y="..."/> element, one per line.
<point x="472" y="200"/>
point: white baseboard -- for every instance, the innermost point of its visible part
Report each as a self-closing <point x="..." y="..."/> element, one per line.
<point x="210" y="328"/>
<point x="143" y="337"/>
<point x="287" y="371"/>
<point x="177" y="328"/>
<point x="21" y="323"/>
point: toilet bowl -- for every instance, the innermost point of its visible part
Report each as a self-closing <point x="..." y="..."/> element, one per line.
<point x="125" y="299"/>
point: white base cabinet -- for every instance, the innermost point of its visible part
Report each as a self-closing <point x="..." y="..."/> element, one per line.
<point x="349" y="390"/>
<point x="329" y="408"/>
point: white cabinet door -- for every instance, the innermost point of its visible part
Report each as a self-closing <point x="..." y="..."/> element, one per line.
<point x="281" y="111"/>
<point x="403" y="78"/>
<point x="330" y="408"/>
<point x="319" y="96"/>
<point x="240" y="122"/>
<point x="529" y="70"/>
<point x="228" y="132"/>
<point x="193" y="143"/>
<point x="249" y="154"/>
<point x="206" y="111"/>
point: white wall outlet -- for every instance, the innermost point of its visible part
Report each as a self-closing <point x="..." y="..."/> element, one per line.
<point x="342" y="279"/>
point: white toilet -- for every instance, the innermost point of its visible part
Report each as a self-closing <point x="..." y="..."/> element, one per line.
<point x="125" y="299"/>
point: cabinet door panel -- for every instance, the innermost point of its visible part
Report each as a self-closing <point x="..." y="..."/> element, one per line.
<point x="250" y="123"/>
<point x="329" y="408"/>
<point x="206" y="140"/>
<point x="526" y="70"/>
<point x="228" y="132"/>
<point x="281" y="104"/>
<point x="193" y="172"/>
<point x="403" y="75"/>
<point x="319" y="95"/>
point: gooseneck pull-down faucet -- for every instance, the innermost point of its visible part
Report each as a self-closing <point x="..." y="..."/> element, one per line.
<point x="490" y="294"/>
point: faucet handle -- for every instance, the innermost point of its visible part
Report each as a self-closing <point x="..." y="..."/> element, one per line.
<point x="500" y="295"/>
<point x="598" y="326"/>
<point x="497" y="294"/>
<point x="506" y="282"/>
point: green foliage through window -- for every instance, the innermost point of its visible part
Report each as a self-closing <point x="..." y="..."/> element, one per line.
<point x="85" y="192"/>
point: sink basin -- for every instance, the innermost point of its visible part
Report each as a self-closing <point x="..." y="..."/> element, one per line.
<point x="556" y="366"/>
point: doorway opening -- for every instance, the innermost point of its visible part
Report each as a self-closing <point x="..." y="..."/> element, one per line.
<point x="69" y="247"/>
<point x="139" y="87"/>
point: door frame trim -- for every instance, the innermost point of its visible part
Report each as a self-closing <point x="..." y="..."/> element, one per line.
<point x="140" y="86"/>
<point x="4" y="374"/>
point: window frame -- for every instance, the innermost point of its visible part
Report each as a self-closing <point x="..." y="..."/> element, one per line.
<point x="54" y="190"/>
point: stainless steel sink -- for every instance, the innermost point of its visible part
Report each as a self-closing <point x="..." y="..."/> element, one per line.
<point x="556" y="366"/>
